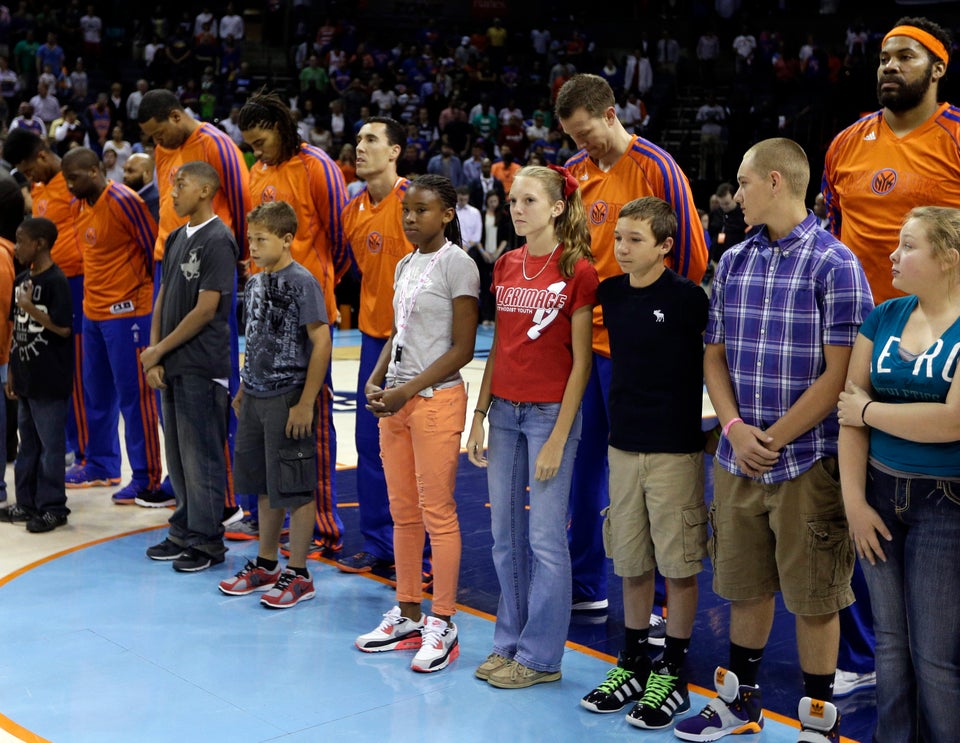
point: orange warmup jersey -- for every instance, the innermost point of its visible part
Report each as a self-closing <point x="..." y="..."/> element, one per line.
<point x="52" y="200"/>
<point x="118" y="236"/>
<point x="312" y="183"/>
<point x="374" y="234"/>
<point x="643" y="170"/>
<point x="232" y="201"/>
<point x="872" y="178"/>
<point x="6" y="297"/>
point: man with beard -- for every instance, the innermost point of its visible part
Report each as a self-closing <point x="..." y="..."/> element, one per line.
<point x="876" y="170"/>
<point x="138" y="175"/>
<point x="904" y="155"/>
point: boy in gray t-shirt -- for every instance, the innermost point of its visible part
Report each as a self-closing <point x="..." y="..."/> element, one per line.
<point x="286" y="360"/>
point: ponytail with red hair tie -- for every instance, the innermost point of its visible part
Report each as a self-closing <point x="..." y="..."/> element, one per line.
<point x="570" y="183"/>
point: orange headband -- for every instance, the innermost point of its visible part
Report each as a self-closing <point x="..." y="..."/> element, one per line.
<point x="931" y="42"/>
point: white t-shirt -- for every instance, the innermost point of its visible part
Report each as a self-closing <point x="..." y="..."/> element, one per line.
<point x="425" y="325"/>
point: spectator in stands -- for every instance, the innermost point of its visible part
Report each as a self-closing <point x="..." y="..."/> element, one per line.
<point x="45" y="104"/>
<point x="506" y="168"/>
<point x="92" y="28"/>
<point x="26" y="119"/>
<point x="231" y="25"/>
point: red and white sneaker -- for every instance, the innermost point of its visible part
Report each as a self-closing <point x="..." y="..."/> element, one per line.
<point x="395" y="632"/>
<point x="251" y="578"/>
<point x="439" y="646"/>
<point x="289" y="590"/>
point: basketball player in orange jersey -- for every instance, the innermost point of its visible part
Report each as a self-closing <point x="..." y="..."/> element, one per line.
<point x="373" y="228"/>
<point x="613" y="167"/>
<point x="32" y="156"/>
<point x="180" y="139"/>
<point x="117" y="233"/>
<point x="309" y="180"/>
<point x="876" y="170"/>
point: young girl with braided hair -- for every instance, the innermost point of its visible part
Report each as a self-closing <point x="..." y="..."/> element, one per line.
<point x="418" y="394"/>
<point x="531" y="392"/>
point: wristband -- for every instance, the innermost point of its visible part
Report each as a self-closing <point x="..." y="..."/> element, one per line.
<point x="482" y="412"/>
<point x="726" y="428"/>
<point x="864" y="411"/>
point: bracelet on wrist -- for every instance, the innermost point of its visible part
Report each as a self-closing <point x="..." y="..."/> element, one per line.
<point x="482" y="412"/>
<point x="726" y="428"/>
<point x="863" y="412"/>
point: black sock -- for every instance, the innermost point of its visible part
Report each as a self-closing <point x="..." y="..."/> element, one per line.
<point x="818" y="686"/>
<point x="302" y="572"/>
<point x="635" y="646"/>
<point x="745" y="662"/>
<point x="674" y="653"/>
<point x="268" y="565"/>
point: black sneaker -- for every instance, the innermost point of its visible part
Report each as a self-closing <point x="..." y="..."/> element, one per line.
<point x="16" y="514"/>
<point x="664" y="697"/>
<point x="658" y="631"/>
<point x="46" y="521"/>
<point x="166" y="550"/>
<point x="193" y="561"/>
<point x="621" y="687"/>
<point x="154" y="499"/>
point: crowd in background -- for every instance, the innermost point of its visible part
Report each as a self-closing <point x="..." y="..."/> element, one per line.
<point x="77" y="74"/>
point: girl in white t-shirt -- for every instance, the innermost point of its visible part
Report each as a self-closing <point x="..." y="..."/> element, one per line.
<point x="532" y="386"/>
<point x="417" y="392"/>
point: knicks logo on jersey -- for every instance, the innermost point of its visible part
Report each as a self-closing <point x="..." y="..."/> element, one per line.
<point x="41" y="207"/>
<point x="598" y="212"/>
<point x="884" y="181"/>
<point x="269" y="194"/>
<point x="374" y="243"/>
<point x="90" y="236"/>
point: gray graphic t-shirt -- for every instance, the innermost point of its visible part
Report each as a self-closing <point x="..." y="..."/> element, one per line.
<point x="279" y="306"/>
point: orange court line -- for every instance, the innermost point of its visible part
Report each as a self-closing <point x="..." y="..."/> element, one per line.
<point x="13" y="728"/>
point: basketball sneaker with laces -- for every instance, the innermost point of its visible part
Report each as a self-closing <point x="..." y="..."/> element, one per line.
<point x="289" y="590"/>
<point x="395" y="632"/>
<point x="439" y="645"/>
<point x="251" y="578"/>
<point x="735" y="711"/>
<point x="819" y="721"/>
<point x="664" y="696"/>
<point x="622" y="686"/>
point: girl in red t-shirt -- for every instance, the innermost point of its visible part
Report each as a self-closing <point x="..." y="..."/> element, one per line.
<point x="531" y="391"/>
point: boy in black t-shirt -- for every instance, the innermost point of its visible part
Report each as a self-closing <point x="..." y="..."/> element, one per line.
<point x="41" y="377"/>
<point x="188" y="360"/>
<point x="657" y="517"/>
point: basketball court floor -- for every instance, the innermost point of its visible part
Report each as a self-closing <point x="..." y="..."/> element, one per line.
<point x="105" y="645"/>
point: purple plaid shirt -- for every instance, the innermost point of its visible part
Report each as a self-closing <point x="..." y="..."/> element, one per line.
<point x="775" y="306"/>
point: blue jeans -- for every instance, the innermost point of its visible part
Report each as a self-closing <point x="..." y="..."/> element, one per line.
<point x="530" y="551"/>
<point x="916" y="605"/>
<point x="39" y="470"/>
<point x="195" y="436"/>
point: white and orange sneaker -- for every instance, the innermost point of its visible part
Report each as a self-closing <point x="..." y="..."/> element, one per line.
<point x="395" y="632"/>
<point x="440" y="646"/>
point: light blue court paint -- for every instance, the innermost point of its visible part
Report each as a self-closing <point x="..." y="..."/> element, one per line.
<point x="104" y="645"/>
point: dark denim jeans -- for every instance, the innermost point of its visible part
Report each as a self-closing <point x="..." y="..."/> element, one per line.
<point x="916" y="608"/>
<point x="195" y="434"/>
<point x="39" y="469"/>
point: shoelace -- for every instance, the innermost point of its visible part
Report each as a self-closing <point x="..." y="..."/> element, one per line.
<point x="247" y="569"/>
<point x="616" y="677"/>
<point x="659" y="687"/>
<point x="432" y="635"/>
<point x="284" y="580"/>
<point x="709" y="711"/>
<point x="390" y="620"/>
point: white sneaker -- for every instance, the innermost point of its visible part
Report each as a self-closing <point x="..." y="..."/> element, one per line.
<point x="395" y="632"/>
<point x="847" y="682"/>
<point x="658" y="631"/>
<point x="590" y="605"/>
<point x="440" y="646"/>
<point x="819" y="721"/>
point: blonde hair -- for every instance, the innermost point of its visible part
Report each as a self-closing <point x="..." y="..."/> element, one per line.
<point x="787" y="158"/>
<point x="570" y="225"/>
<point x="941" y="224"/>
